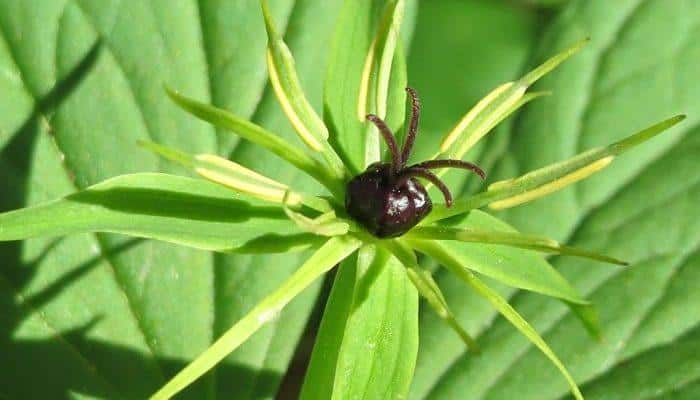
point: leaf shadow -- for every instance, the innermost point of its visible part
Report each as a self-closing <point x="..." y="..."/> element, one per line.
<point x="167" y="203"/>
<point x="16" y="156"/>
<point x="116" y="369"/>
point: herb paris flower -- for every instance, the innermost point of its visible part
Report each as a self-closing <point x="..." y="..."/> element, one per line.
<point x="320" y="222"/>
<point x="387" y="199"/>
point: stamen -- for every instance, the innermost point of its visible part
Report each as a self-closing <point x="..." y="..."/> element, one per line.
<point x="413" y="126"/>
<point x="407" y="173"/>
<point x="389" y="139"/>
<point x="431" y="164"/>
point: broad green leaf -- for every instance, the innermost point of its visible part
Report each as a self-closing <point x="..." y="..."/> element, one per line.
<point x="179" y="210"/>
<point x="87" y="136"/>
<point x="368" y="337"/>
<point x="664" y="372"/>
<point x="330" y="254"/>
<point x="156" y="305"/>
<point x="649" y="305"/>
<point x="636" y="71"/>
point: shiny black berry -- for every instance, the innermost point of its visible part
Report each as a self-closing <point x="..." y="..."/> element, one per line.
<point x="387" y="199"/>
<point x="385" y="207"/>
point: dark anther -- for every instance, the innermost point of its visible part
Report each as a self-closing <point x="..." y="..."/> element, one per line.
<point x="412" y="126"/>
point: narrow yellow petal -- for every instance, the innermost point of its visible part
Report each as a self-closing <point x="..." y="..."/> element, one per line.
<point x="491" y="121"/>
<point x="363" y="96"/>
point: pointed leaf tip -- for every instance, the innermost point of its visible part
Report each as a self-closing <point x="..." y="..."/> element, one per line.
<point x="645" y="134"/>
<point x="553" y="62"/>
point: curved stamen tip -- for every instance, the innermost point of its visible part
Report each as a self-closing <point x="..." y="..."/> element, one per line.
<point x="480" y="172"/>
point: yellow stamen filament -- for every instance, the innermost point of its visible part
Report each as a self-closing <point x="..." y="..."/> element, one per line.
<point x="288" y="109"/>
<point x="239" y="178"/>
<point x="491" y="121"/>
<point x="553" y="186"/>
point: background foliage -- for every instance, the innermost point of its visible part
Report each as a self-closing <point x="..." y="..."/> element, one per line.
<point x="80" y="83"/>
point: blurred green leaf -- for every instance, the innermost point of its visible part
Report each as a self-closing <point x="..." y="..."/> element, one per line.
<point x="543" y="3"/>
<point x="636" y="71"/>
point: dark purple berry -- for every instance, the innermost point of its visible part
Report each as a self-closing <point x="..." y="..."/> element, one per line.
<point x="387" y="199"/>
<point x="384" y="207"/>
